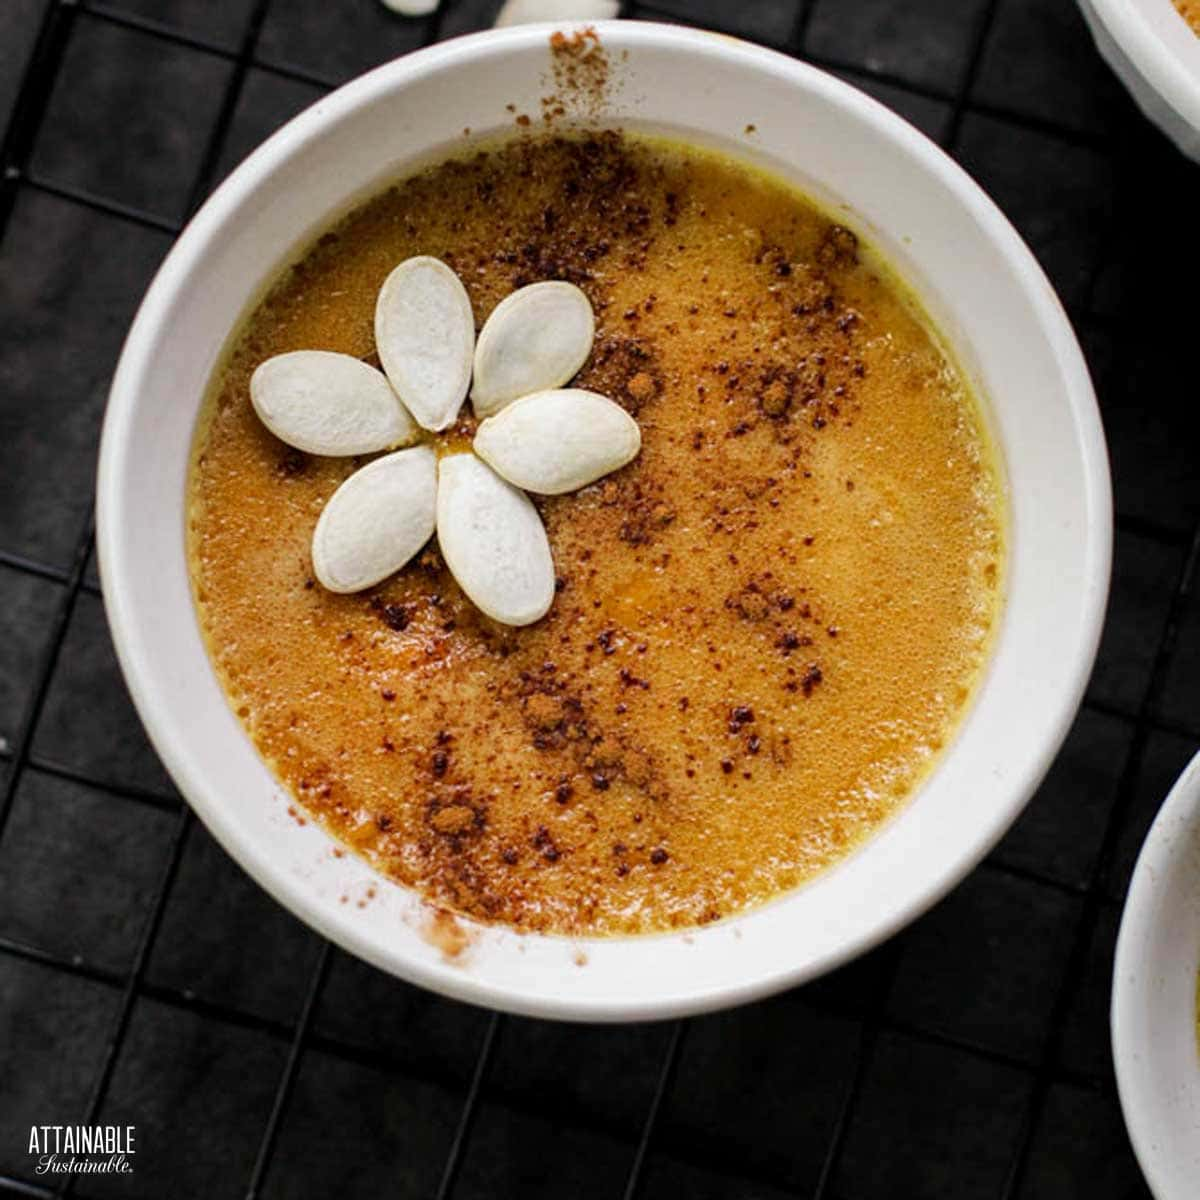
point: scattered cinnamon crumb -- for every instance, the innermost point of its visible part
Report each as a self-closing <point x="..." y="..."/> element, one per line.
<point x="581" y="74"/>
<point x="740" y="716"/>
<point x="453" y="820"/>
<point x="812" y="677"/>
<point x="641" y="387"/>
<point x="542" y="712"/>
<point x="839" y="248"/>
<point x="444" y="930"/>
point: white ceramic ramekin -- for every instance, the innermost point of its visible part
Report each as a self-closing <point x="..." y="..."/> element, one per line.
<point x="947" y="239"/>
<point x="1155" y="54"/>
<point x="1155" y="1048"/>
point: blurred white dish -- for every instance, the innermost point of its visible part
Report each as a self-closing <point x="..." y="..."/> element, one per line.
<point x="1156" y="55"/>
<point x="1155" y="1048"/>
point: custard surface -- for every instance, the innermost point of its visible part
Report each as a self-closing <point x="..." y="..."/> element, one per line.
<point x="1190" y="11"/>
<point x="767" y="625"/>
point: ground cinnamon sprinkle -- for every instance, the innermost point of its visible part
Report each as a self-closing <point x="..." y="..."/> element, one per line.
<point x="699" y="589"/>
<point x="580" y="66"/>
<point x="446" y="932"/>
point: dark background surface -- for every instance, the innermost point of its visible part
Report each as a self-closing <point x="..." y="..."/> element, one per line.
<point x="144" y="979"/>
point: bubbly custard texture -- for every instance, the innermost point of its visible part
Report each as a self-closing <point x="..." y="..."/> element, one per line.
<point x="767" y="625"/>
<point x="1190" y="11"/>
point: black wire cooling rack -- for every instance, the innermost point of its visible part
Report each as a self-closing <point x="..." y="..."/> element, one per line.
<point x="143" y="980"/>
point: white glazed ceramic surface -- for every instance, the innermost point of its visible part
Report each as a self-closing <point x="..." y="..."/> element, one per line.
<point x="1155" y="54"/>
<point x="889" y="182"/>
<point x="1154" y="997"/>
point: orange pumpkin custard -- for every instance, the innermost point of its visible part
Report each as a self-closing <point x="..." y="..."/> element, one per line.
<point x="766" y="626"/>
<point x="1190" y="11"/>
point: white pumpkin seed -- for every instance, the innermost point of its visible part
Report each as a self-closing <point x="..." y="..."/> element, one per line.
<point x="493" y="541"/>
<point x="411" y="8"/>
<point x="326" y="403"/>
<point x="537" y="338"/>
<point x="376" y="521"/>
<point x="558" y="441"/>
<point x="519" y="12"/>
<point x="425" y="335"/>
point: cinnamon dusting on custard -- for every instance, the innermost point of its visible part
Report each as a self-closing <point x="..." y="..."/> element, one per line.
<point x="748" y="664"/>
